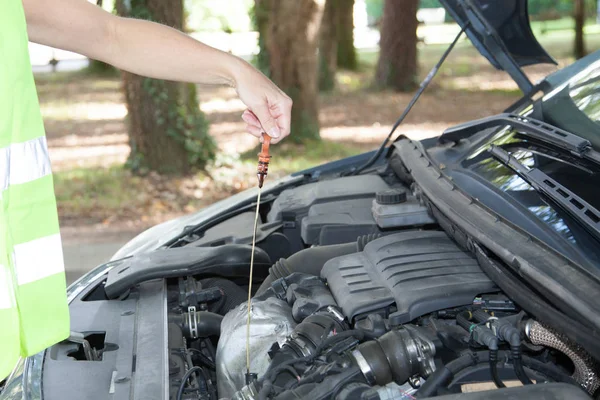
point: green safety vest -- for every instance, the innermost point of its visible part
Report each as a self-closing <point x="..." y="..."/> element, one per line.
<point x="33" y="305"/>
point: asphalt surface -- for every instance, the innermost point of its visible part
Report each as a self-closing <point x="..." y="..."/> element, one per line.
<point x="85" y="249"/>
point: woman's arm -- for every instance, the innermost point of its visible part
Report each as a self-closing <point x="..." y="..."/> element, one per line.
<point x="157" y="51"/>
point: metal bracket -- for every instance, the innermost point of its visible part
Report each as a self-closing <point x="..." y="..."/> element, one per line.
<point x="193" y="322"/>
<point x="78" y="337"/>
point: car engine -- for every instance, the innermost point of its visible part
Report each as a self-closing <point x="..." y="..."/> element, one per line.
<point x="363" y="295"/>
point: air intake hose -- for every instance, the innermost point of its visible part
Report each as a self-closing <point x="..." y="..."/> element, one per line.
<point x="307" y="340"/>
<point x="198" y="324"/>
<point x="233" y="295"/>
<point x="310" y="261"/>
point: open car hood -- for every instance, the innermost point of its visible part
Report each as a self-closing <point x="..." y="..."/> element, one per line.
<point x="501" y="32"/>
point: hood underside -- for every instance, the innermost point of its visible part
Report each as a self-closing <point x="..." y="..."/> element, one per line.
<point x="501" y="32"/>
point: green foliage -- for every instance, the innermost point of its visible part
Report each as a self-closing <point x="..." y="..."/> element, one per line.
<point x="538" y="9"/>
<point x="326" y="76"/>
<point x="304" y="128"/>
<point x="346" y="53"/>
<point x="549" y="9"/>
<point x="259" y="14"/>
<point x="101" y="69"/>
<point x="291" y="157"/>
<point x="219" y="15"/>
<point x="177" y="113"/>
<point x="429" y="4"/>
<point x="82" y="190"/>
<point x="183" y="121"/>
<point x="304" y="125"/>
<point x="374" y="9"/>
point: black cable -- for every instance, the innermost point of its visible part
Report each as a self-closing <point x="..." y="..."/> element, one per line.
<point x="551" y="372"/>
<point x="265" y="390"/>
<point x="518" y="365"/>
<point x="341" y="385"/>
<point x="494" y="369"/>
<point x="184" y="380"/>
<point x="211" y="348"/>
<point x="272" y="374"/>
<point x="330" y="341"/>
<point x="204" y="358"/>
<point x="212" y="391"/>
<point x="292" y="371"/>
<point x="410" y="105"/>
<point x="444" y="375"/>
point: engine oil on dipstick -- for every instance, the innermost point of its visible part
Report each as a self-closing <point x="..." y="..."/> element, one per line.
<point x="261" y="173"/>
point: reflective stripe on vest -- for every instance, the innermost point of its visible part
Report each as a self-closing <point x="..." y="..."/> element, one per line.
<point x="25" y="162"/>
<point x="32" y="279"/>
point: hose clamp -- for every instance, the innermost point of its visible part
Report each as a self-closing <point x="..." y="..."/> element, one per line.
<point x="193" y="322"/>
<point x="335" y="312"/>
<point x="364" y="367"/>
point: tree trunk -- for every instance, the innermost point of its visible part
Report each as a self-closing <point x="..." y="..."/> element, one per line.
<point x="261" y="24"/>
<point x="579" y="14"/>
<point x="397" y="66"/>
<point x="328" y="45"/>
<point x="167" y="131"/>
<point x="346" y="52"/>
<point x="292" y="40"/>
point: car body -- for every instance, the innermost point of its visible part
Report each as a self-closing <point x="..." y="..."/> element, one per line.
<point x="476" y="246"/>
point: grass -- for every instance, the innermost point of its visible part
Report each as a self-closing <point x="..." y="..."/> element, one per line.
<point x="114" y="193"/>
<point x="288" y="158"/>
<point x="90" y="191"/>
<point x="109" y="194"/>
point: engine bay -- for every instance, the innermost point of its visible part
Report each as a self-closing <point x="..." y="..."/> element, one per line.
<point x="362" y="293"/>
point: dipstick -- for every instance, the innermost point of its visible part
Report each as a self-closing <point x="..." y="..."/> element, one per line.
<point x="250" y="284"/>
<point x="263" y="167"/>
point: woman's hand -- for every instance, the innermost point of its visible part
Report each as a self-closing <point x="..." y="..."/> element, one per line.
<point x="269" y="108"/>
<point x="160" y="52"/>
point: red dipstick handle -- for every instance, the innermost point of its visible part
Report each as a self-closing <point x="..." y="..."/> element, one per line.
<point x="263" y="160"/>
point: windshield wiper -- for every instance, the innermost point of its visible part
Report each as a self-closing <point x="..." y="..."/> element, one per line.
<point x="529" y="127"/>
<point x="575" y="206"/>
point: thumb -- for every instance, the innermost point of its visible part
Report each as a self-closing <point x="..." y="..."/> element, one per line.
<point x="268" y="123"/>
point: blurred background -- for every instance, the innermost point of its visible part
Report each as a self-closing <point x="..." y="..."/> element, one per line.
<point x="351" y="66"/>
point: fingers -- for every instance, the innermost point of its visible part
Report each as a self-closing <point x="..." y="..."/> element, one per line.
<point x="283" y="113"/>
<point x="249" y="118"/>
<point x="267" y="121"/>
<point x="254" y="131"/>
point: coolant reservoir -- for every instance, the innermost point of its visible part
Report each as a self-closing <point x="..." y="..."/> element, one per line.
<point x="394" y="208"/>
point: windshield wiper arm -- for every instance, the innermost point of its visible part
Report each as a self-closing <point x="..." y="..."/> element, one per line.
<point x="578" y="209"/>
<point x="529" y="127"/>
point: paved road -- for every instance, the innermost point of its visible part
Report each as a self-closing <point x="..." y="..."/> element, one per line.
<point x="85" y="250"/>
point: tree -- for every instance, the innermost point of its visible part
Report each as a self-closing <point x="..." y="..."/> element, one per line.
<point x="397" y="66"/>
<point x="260" y="17"/>
<point x="292" y="39"/>
<point x="328" y="45"/>
<point x="346" y="52"/>
<point x="167" y="131"/>
<point x="579" y="14"/>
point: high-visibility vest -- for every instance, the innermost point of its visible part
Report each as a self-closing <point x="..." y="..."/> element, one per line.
<point x="33" y="305"/>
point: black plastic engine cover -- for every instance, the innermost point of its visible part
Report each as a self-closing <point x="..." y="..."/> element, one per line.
<point x="228" y="261"/>
<point x="418" y="271"/>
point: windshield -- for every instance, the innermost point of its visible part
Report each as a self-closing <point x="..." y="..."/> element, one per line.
<point x="547" y="222"/>
<point x="585" y="92"/>
<point x="572" y="102"/>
